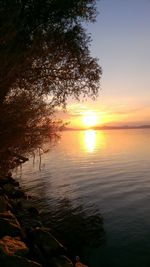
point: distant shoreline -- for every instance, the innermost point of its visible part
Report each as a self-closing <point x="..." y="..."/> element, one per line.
<point x="109" y="128"/>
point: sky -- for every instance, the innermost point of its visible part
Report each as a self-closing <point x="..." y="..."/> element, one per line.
<point x="121" y="42"/>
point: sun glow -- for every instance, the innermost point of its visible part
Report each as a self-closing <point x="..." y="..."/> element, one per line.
<point x="90" y="119"/>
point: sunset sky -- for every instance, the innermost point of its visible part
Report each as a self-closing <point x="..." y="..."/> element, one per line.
<point x="121" y="42"/>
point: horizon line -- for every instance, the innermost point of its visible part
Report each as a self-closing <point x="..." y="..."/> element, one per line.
<point x="113" y="127"/>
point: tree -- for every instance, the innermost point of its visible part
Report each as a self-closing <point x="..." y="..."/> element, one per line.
<point x="44" y="48"/>
<point x="26" y="124"/>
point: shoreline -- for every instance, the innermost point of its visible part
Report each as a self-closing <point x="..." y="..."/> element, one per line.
<point x="24" y="241"/>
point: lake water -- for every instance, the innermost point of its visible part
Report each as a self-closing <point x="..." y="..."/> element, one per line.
<point x="98" y="172"/>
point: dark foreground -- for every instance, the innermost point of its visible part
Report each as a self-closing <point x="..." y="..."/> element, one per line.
<point x="24" y="241"/>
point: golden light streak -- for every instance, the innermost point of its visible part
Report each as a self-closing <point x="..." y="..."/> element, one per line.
<point x="90" y="140"/>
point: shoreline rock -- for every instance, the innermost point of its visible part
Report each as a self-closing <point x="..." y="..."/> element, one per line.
<point x="23" y="239"/>
<point x="13" y="246"/>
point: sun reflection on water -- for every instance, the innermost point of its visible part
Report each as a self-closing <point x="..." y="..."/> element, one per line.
<point x="93" y="140"/>
<point x="90" y="140"/>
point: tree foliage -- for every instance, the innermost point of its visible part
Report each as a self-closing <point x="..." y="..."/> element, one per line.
<point x="44" y="48"/>
<point x="26" y="123"/>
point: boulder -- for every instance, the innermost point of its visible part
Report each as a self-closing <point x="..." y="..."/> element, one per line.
<point x="9" y="188"/>
<point x="27" y="215"/>
<point x="27" y="221"/>
<point x="27" y="205"/>
<point x="17" y="193"/>
<point x="17" y="261"/>
<point x="4" y="205"/>
<point x="9" y="224"/>
<point x="15" y="183"/>
<point x="46" y="242"/>
<point x="1" y="191"/>
<point x="61" y="261"/>
<point x="13" y="191"/>
<point x="38" y="255"/>
<point x="6" y="180"/>
<point x="7" y="215"/>
<point x="12" y="246"/>
<point x="33" y="211"/>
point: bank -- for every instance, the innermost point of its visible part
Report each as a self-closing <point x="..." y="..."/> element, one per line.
<point x="24" y="241"/>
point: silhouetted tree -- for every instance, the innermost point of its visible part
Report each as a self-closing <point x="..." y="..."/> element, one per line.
<point x="44" y="48"/>
<point x="26" y="123"/>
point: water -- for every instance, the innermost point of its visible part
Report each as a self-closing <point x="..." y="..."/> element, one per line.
<point x="106" y="172"/>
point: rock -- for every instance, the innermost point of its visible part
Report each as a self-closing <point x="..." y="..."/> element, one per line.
<point x="17" y="193"/>
<point x="9" y="225"/>
<point x="16" y="184"/>
<point x="1" y="191"/>
<point x="3" y="204"/>
<point x="19" y="158"/>
<point x="33" y="211"/>
<point x="8" y="228"/>
<point x="27" y="215"/>
<point x="13" y="246"/>
<point x="6" y="180"/>
<point x="9" y="188"/>
<point x="12" y="191"/>
<point x="29" y="197"/>
<point x="17" y="261"/>
<point x="7" y="215"/>
<point x="61" y="261"/>
<point x="46" y="242"/>
<point x="29" y="222"/>
<point x="26" y="204"/>
<point x="9" y="175"/>
<point x="38" y="255"/>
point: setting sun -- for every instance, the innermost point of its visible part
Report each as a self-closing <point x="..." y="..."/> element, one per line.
<point x="90" y="119"/>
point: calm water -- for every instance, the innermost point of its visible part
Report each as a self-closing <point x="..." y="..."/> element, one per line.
<point x="105" y="172"/>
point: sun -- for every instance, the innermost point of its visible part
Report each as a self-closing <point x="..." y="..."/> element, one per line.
<point x="90" y="119"/>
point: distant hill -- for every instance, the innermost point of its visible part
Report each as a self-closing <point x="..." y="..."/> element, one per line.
<point x="107" y="127"/>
